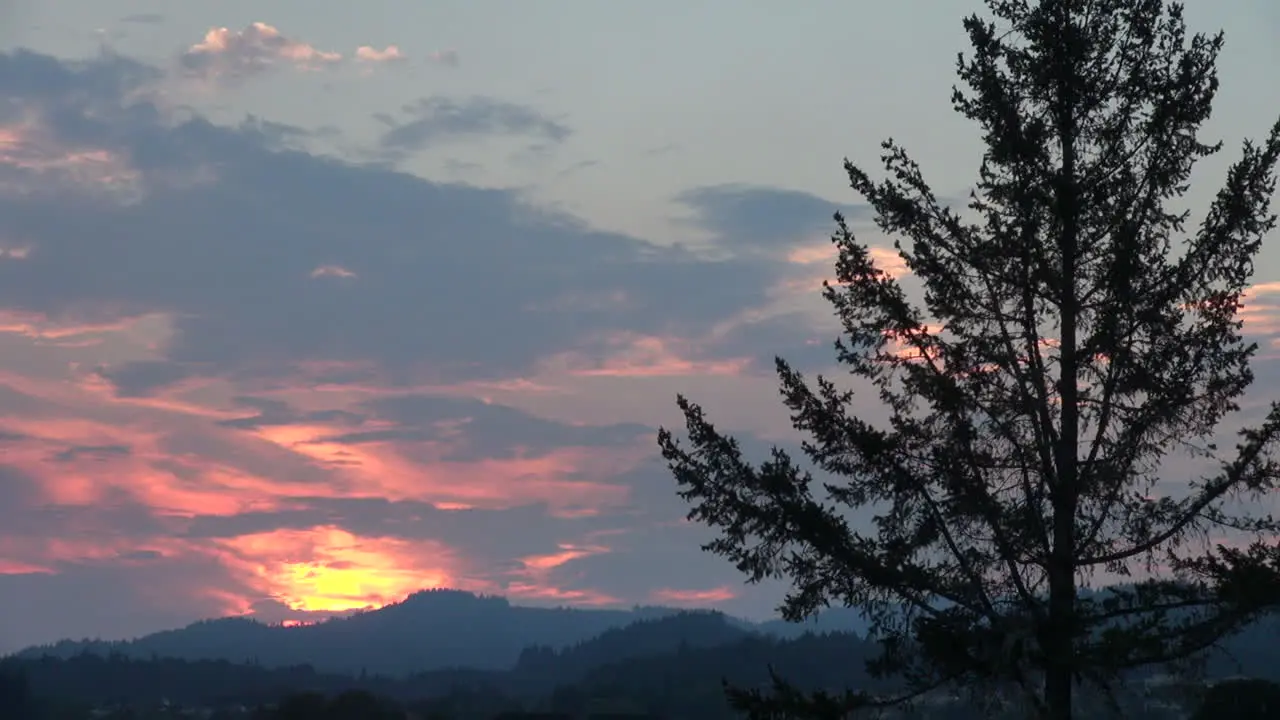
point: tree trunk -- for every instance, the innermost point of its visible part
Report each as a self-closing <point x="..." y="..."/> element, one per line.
<point x="1059" y="641"/>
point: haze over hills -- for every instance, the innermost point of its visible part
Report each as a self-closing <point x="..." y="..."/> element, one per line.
<point x="428" y="630"/>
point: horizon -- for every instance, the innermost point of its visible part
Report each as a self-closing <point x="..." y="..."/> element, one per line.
<point x="304" y="309"/>
<point x="290" y="623"/>
<point x="765" y="619"/>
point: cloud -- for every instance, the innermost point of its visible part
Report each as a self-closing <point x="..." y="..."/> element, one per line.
<point x="625" y="354"/>
<point x="441" y="119"/>
<point x="97" y="452"/>
<point x="145" y="377"/>
<point x="233" y="55"/>
<point x="239" y="288"/>
<point x="390" y="53"/>
<point x="127" y="599"/>
<point x="238" y="376"/>
<point x="754" y="218"/>
<point x="792" y="335"/>
<point x="229" y="57"/>
<point x="691" y="597"/>
<point x="95" y="485"/>
<point x="333" y="271"/>
<point x="485" y="430"/>
<point x="1260" y="309"/>
<point x="659" y="550"/>
<point x="244" y="377"/>
<point x="328" y="569"/>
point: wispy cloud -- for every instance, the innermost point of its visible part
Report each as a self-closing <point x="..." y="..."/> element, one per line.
<point x="747" y="218"/>
<point x="442" y="119"/>
<point x="695" y="598"/>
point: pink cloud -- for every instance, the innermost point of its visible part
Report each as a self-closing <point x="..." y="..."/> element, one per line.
<point x="15" y="567"/>
<point x="390" y="53"/>
<point x="38" y="326"/>
<point x="1260" y="309"/>
<point x="423" y="471"/>
<point x="226" y="55"/>
<point x="535" y="579"/>
<point x="173" y="457"/>
<point x="906" y="347"/>
<point x="236" y="54"/>
<point x="31" y="149"/>
<point x="817" y="264"/>
<point x="530" y="591"/>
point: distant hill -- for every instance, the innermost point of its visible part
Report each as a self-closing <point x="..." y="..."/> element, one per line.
<point x="671" y="665"/>
<point x="437" y="630"/>
<point x="676" y="659"/>
<point x="429" y="630"/>
<point x="539" y="666"/>
<point x="831" y="620"/>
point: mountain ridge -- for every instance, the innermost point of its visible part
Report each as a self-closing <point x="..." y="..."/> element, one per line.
<point x="428" y="630"/>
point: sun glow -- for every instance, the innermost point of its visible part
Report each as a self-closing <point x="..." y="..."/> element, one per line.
<point x="327" y="569"/>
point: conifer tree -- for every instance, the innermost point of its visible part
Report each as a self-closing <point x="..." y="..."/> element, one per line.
<point x="1009" y="426"/>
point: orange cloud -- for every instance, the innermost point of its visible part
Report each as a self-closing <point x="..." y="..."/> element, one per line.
<point x="535" y="581"/>
<point x="530" y="591"/>
<point x="712" y="596"/>
<point x="87" y="447"/>
<point x="234" y="470"/>
<point x="567" y="553"/>
<point x="326" y="568"/>
<point x="420" y="470"/>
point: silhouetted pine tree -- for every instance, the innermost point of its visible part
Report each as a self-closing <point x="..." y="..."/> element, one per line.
<point x="1073" y="340"/>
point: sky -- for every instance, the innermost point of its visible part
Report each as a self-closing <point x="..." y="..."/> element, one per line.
<point x="306" y="305"/>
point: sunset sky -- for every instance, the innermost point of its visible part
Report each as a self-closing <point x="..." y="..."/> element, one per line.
<point x="308" y="305"/>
